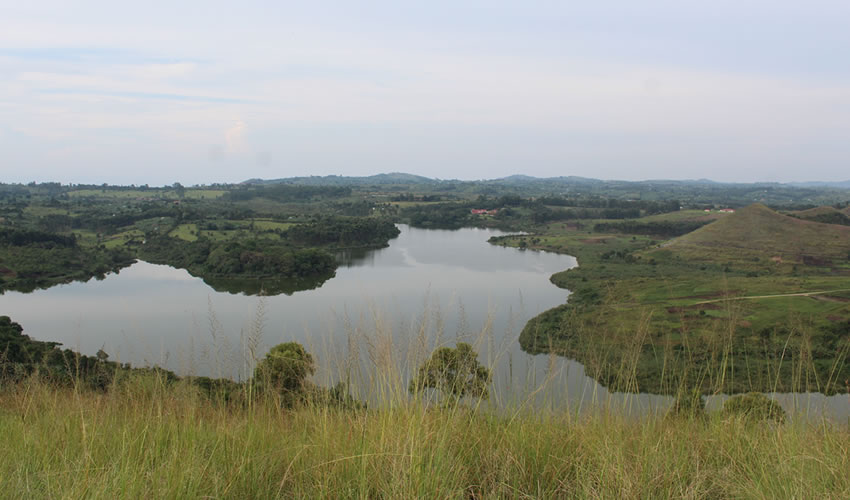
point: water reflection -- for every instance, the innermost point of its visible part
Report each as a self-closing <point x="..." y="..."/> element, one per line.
<point x="382" y="313"/>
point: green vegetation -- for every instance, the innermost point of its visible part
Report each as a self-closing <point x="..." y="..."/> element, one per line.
<point x="453" y="372"/>
<point x="728" y="302"/>
<point x="148" y="439"/>
<point x="52" y="234"/>
<point x="284" y="370"/>
<point x="147" y="433"/>
<point x="753" y="301"/>
<point x="753" y="405"/>
<point x="826" y="215"/>
<point x="31" y="259"/>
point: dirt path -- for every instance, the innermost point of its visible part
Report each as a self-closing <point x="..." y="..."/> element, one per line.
<point x="800" y="294"/>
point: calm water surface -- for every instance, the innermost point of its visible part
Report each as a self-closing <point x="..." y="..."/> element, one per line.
<point x="379" y="316"/>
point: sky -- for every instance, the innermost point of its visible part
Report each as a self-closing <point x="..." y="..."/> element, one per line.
<point x="205" y="92"/>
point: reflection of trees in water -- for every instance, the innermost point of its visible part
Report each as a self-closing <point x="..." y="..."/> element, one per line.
<point x="267" y="286"/>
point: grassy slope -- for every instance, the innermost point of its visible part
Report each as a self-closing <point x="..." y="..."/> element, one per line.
<point x="687" y="303"/>
<point x="155" y="441"/>
<point x="757" y="231"/>
<point x="814" y="212"/>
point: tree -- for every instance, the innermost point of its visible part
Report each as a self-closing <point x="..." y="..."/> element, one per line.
<point x="453" y="372"/>
<point x="179" y="189"/>
<point x="285" y="368"/>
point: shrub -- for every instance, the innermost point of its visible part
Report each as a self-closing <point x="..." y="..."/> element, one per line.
<point x="755" y="406"/>
<point x="284" y="369"/>
<point x="454" y="372"/>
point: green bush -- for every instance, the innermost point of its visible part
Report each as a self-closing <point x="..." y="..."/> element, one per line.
<point x="284" y="370"/>
<point x="453" y="372"/>
<point x="754" y="405"/>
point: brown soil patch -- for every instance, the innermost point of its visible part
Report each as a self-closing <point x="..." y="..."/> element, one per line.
<point x="834" y="318"/>
<point x="5" y="271"/>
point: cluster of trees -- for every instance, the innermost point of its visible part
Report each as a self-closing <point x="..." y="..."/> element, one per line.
<point x="22" y="356"/>
<point x="665" y="229"/>
<point x="31" y="259"/>
<point x="413" y="197"/>
<point x="243" y="258"/>
<point x="26" y="237"/>
<point x="288" y="193"/>
<point x="542" y="213"/>
<point x="343" y="231"/>
<point x="647" y="207"/>
<point x="439" y="216"/>
<point x="248" y="257"/>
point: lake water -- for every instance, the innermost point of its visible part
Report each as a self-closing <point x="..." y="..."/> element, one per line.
<point x="371" y="324"/>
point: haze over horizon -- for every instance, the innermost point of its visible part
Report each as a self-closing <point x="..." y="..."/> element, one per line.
<point x="205" y="92"/>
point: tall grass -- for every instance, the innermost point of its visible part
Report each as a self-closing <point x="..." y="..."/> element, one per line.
<point x="145" y="438"/>
<point x="148" y="437"/>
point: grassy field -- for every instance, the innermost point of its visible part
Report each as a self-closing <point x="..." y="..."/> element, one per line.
<point x="187" y="232"/>
<point x="124" y="237"/>
<point x="772" y="282"/>
<point x="148" y="439"/>
<point x="271" y="225"/>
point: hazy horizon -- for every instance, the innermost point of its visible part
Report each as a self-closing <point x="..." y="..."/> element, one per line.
<point x="215" y="92"/>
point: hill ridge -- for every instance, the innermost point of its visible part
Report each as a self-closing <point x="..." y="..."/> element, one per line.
<point x="758" y="231"/>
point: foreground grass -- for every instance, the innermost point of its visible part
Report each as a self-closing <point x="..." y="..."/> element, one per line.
<point x="146" y="439"/>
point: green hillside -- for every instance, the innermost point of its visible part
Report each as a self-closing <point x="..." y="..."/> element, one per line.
<point x="816" y="212"/>
<point x="757" y="232"/>
<point x="825" y="214"/>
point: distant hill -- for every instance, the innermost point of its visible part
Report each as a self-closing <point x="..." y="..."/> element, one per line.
<point x="826" y="215"/>
<point x="838" y="184"/>
<point x="758" y="231"/>
<point x="695" y="192"/>
<point x="521" y="179"/>
<point x="326" y="180"/>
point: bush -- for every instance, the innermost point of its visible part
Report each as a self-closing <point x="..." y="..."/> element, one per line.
<point x="453" y="372"/>
<point x="285" y="369"/>
<point x="755" y="406"/>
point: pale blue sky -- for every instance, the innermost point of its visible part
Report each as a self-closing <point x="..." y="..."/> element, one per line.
<point x="201" y="92"/>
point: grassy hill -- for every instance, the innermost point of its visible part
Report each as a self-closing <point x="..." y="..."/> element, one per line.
<point x="757" y="232"/>
<point x="729" y="304"/>
<point x="815" y="212"/>
<point x="825" y="214"/>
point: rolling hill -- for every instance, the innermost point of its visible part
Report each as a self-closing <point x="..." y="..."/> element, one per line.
<point x="759" y="232"/>
<point x="825" y="214"/>
<point x="815" y="212"/>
